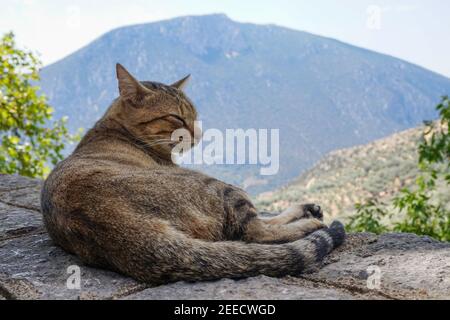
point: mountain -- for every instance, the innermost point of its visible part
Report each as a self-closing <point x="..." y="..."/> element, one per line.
<point x="320" y="93"/>
<point x="345" y="177"/>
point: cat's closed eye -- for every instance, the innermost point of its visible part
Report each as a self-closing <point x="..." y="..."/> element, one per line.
<point x="176" y="121"/>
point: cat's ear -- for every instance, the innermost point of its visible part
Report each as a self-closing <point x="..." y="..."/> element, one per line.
<point x="129" y="87"/>
<point x="180" y="84"/>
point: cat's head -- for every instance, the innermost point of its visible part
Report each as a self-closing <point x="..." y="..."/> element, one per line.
<point x="157" y="115"/>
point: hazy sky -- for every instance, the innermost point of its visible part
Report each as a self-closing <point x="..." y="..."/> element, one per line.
<point x="415" y="30"/>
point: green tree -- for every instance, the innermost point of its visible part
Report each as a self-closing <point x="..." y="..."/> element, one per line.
<point x="368" y="218"/>
<point x="421" y="215"/>
<point x="435" y="147"/>
<point x="30" y="141"/>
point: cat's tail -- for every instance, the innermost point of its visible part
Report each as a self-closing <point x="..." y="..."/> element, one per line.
<point x="157" y="253"/>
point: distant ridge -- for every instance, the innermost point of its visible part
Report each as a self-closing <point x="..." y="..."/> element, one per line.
<point x="380" y="170"/>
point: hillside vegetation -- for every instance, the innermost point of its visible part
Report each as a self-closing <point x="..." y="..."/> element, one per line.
<point x="345" y="177"/>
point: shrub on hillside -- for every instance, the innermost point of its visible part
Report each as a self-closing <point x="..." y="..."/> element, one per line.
<point x="419" y="214"/>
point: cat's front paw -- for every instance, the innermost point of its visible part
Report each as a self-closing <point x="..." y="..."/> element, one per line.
<point x="312" y="211"/>
<point x="302" y="211"/>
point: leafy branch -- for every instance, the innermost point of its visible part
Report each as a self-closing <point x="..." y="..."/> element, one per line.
<point x="421" y="215"/>
<point x="30" y="141"/>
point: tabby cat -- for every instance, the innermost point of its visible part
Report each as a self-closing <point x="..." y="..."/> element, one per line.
<point x="119" y="202"/>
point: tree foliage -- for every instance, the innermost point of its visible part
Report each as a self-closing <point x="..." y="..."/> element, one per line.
<point x="419" y="213"/>
<point x="30" y="141"/>
<point x="368" y="218"/>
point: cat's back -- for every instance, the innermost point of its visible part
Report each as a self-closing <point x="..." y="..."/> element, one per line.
<point x="94" y="166"/>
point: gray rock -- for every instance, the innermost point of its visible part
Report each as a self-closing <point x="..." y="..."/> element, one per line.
<point x="20" y="192"/>
<point x="14" y="182"/>
<point x="17" y="221"/>
<point x="260" y="288"/>
<point x="409" y="267"/>
<point x="31" y="267"/>
<point x="390" y="266"/>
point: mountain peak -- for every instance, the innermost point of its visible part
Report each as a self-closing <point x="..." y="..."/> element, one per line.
<point x="216" y="16"/>
<point x="201" y="18"/>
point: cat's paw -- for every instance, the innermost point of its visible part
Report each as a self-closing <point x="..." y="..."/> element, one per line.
<point x="312" y="211"/>
<point x="304" y="211"/>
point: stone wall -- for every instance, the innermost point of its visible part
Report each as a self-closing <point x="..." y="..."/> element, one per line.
<point x="31" y="267"/>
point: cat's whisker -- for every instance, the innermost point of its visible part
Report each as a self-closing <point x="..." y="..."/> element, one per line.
<point x="154" y="142"/>
<point x="157" y="143"/>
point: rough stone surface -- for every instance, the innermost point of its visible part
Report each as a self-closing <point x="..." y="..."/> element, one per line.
<point x="410" y="267"/>
<point x="31" y="267"/>
<point x="260" y="288"/>
<point x="17" y="221"/>
<point x="20" y="192"/>
<point x="33" y="262"/>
